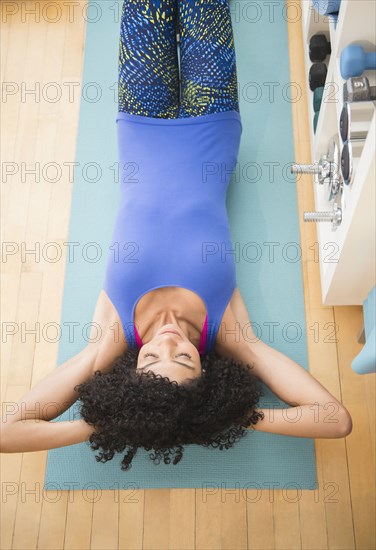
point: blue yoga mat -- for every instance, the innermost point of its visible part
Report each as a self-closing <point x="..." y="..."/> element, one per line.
<point x="263" y="215"/>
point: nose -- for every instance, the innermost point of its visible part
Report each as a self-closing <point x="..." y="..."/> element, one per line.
<point x="168" y="343"/>
<point x="169" y="337"/>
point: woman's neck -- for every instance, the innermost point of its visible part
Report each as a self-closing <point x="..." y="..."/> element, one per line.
<point x="153" y="312"/>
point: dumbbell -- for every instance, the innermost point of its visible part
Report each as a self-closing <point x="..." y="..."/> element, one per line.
<point x="354" y="60"/>
<point x="355" y="121"/>
<point x="319" y="47"/>
<point x="317" y="98"/>
<point x="317" y="75"/>
<point x="315" y="121"/>
<point x="357" y="88"/>
<point x="334" y="18"/>
<point x="350" y="156"/>
<point x="326" y="7"/>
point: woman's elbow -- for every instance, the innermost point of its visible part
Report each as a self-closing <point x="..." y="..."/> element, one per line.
<point x="345" y="423"/>
<point x="4" y="438"/>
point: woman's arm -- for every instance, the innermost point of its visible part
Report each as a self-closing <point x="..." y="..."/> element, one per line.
<point x="315" y="412"/>
<point x="39" y="435"/>
<point x="305" y="421"/>
<point x="25" y="426"/>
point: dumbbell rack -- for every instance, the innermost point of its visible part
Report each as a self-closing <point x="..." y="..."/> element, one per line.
<point x="347" y="254"/>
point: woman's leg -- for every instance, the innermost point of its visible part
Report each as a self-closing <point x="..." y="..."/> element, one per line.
<point x="207" y="58"/>
<point x="148" y="62"/>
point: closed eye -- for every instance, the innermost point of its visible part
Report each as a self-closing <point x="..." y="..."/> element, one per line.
<point x="153" y="355"/>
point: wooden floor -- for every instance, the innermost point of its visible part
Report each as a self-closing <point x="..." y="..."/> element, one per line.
<point x="338" y="516"/>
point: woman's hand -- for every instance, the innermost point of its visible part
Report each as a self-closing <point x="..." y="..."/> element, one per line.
<point x="26" y="426"/>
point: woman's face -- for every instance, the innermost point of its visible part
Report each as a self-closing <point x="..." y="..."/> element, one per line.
<point x="170" y="353"/>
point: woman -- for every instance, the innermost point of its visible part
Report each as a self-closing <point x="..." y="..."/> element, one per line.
<point x="178" y="362"/>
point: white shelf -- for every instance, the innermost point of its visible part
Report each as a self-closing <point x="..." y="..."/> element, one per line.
<point x="347" y="254"/>
<point x="353" y="273"/>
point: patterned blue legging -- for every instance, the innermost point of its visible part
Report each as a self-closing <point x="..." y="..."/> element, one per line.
<point x="149" y="80"/>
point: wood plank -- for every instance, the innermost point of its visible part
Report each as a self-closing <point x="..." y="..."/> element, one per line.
<point x="78" y="520"/>
<point x="30" y="499"/>
<point x="314" y="286"/>
<point x="13" y="73"/>
<point x="30" y="495"/>
<point x="9" y="291"/>
<point x="16" y="149"/>
<point x="28" y="330"/>
<point x="156" y="518"/>
<point x="208" y="518"/>
<point x="67" y="129"/>
<point x="339" y="522"/>
<point x="323" y="337"/>
<point x="53" y="519"/>
<point x="75" y="516"/>
<point x="105" y="525"/>
<point x="182" y="519"/>
<point x="10" y="470"/>
<point x="45" y="142"/>
<point x="286" y="520"/>
<point x="302" y="146"/>
<point x="13" y="231"/>
<point x="260" y="519"/>
<point x="360" y="455"/>
<point x="369" y="388"/>
<point x="234" y="531"/>
<point x="131" y="518"/>
<point x="312" y="509"/>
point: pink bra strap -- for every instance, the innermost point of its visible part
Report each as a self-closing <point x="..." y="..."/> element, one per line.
<point x="138" y="339"/>
<point x="204" y="335"/>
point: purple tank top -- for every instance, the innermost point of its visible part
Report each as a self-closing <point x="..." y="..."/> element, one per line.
<point x="171" y="227"/>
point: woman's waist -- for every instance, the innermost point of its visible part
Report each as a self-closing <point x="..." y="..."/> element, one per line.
<point x="204" y="179"/>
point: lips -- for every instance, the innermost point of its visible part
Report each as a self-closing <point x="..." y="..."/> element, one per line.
<point x="170" y="330"/>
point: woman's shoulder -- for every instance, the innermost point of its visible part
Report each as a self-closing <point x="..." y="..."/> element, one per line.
<point x="235" y="331"/>
<point x="107" y="333"/>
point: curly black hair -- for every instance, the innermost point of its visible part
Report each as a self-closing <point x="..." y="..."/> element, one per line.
<point x="130" y="409"/>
